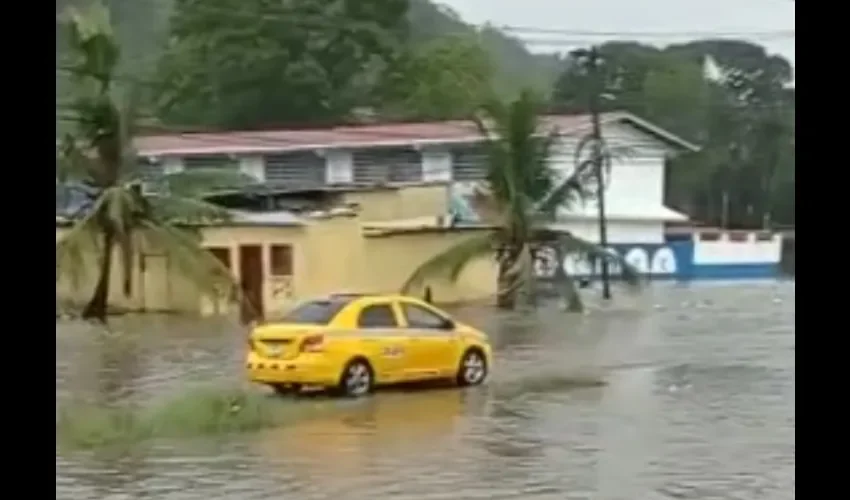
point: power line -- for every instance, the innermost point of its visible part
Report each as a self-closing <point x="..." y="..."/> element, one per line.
<point x="319" y="21"/>
<point x="647" y="34"/>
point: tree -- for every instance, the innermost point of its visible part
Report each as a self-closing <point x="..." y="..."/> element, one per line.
<point x="514" y="67"/>
<point x="100" y="157"/>
<point x="748" y="135"/>
<point x="524" y="192"/>
<point x="624" y="68"/>
<point x="744" y="123"/>
<point x="444" y="78"/>
<point x="241" y="64"/>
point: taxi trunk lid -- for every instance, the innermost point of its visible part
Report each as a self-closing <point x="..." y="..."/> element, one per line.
<point x="281" y="340"/>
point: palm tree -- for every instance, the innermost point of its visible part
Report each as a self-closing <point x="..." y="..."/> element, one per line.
<point x="100" y="157"/>
<point x="523" y="193"/>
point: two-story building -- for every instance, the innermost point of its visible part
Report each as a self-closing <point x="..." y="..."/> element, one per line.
<point x="448" y="152"/>
<point x="365" y="205"/>
<point x="452" y="153"/>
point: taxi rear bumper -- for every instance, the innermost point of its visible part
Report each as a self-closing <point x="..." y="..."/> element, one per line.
<point x="306" y="369"/>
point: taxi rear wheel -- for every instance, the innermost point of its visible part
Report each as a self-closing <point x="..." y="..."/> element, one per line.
<point x="357" y="379"/>
<point x="286" y="389"/>
<point x="472" y="369"/>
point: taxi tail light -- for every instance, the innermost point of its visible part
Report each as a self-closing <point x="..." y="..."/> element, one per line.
<point x="313" y="343"/>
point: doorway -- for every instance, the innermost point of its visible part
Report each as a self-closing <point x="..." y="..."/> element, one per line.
<point x="251" y="277"/>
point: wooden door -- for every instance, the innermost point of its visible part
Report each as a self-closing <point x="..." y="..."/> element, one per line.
<point x="251" y="278"/>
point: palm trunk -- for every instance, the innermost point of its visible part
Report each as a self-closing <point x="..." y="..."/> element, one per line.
<point x="507" y="284"/>
<point x="572" y="299"/>
<point x="96" y="308"/>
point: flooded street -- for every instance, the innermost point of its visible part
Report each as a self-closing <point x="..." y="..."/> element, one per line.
<point x="697" y="403"/>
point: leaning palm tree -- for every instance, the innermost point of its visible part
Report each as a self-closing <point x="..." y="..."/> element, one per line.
<point x="99" y="156"/>
<point x="521" y="195"/>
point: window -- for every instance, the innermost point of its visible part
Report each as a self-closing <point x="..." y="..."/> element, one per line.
<point x="419" y="317"/>
<point x="222" y="254"/>
<point x="380" y="316"/>
<point x="280" y="259"/>
<point x="316" y="312"/>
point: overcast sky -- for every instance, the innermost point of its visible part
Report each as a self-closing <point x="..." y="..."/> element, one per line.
<point x="699" y="16"/>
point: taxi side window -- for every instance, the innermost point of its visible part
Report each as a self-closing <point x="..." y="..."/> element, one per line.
<point x="419" y="317"/>
<point x="377" y="316"/>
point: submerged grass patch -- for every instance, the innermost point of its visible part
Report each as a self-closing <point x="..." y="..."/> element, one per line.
<point x="200" y="413"/>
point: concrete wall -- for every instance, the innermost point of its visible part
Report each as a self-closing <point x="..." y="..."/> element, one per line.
<point x="636" y="182"/>
<point x="391" y="259"/>
<point x="404" y="203"/>
<point x="636" y="231"/>
<point x="329" y="255"/>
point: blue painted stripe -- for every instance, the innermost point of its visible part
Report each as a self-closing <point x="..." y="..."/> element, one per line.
<point x="708" y="273"/>
<point x="734" y="271"/>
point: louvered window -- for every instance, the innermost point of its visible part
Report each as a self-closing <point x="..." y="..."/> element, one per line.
<point x="387" y="165"/>
<point x="152" y="175"/>
<point x="213" y="162"/>
<point x="149" y="170"/>
<point x="469" y="163"/>
<point x="303" y="168"/>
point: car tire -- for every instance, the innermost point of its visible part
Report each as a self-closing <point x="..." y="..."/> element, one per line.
<point x="286" y="389"/>
<point x="357" y="379"/>
<point x="472" y="369"/>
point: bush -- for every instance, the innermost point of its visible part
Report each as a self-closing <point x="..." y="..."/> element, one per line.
<point x="200" y="413"/>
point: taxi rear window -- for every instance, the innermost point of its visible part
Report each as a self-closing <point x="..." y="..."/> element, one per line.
<point x="315" y="312"/>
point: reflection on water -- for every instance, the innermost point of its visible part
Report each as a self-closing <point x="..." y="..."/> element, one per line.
<point x="690" y="395"/>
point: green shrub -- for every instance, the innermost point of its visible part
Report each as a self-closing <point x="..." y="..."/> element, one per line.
<point x="199" y="413"/>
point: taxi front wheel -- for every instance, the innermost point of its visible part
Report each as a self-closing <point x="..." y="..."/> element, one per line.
<point x="472" y="369"/>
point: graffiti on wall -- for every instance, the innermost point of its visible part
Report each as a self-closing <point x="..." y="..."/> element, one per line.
<point x="648" y="260"/>
<point x="282" y="287"/>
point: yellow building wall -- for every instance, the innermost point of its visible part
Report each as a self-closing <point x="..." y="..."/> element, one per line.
<point x="159" y="286"/>
<point x="75" y="287"/>
<point x="278" y="291"/>
<point x="402" y="203"/>
<point x="391" y="259"/>
<point x="335" y="254"/>
<point x="330" y="254"/>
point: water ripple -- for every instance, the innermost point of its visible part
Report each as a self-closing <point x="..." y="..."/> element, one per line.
<point x="690" y="397"/>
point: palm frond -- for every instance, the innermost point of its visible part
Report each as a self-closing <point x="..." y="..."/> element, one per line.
<point x="450" y="262"/>
<point x="196" y="182"/>
<point x="191" y="261"/>
<point x="566" y="284"/>
<point x="571" y="244"/>
<point x="177" y="209"/>
<point x="519" y="171"/>
<point x="93" y="43"/>
<point x="571" y="192"/>
<point x="79" y="241"/>
<point x="585" y="171"/>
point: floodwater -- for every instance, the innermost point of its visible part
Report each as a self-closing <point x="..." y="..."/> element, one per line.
<point x="698" y="403"/>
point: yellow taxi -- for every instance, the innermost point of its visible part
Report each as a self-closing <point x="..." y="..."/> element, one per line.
<point x="352" y="343"/>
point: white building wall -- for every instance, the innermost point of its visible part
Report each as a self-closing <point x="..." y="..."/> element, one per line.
<point x="172" y="165"/>
<point x="253" y="166"/>
<point x="339" y="167"/>
<point x="436" y="164"/>
<point x="750" y="250"/>
<point x="636" y="181"/>
<point x="618" y="231"/>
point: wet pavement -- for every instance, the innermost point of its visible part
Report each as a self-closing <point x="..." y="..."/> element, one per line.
<point x="680" y="393"/>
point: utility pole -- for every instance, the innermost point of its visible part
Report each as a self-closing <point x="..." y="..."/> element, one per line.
<point x="595" y="87"/>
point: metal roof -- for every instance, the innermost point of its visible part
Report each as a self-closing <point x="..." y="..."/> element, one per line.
<point x="364" y="136"/>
